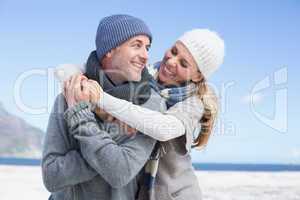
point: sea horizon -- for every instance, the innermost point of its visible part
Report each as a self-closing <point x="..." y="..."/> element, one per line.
<point x="199" y="166"/>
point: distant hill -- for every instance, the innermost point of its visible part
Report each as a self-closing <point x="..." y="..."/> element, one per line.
<point x="18" y="138"/>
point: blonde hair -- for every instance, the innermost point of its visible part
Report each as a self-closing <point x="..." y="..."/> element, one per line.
<point x="207" y="121"/>
<point x="103" y="115"/>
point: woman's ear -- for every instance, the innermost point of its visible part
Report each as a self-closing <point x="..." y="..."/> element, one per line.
<point x="197" y="77"/>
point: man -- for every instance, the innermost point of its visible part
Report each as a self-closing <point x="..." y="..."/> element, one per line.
<point x="84" y="157"/>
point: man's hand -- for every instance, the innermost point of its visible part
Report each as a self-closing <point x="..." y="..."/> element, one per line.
<point x="76" y="90"/>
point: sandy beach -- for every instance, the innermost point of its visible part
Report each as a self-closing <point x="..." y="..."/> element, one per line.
<point x="25" y="182"/>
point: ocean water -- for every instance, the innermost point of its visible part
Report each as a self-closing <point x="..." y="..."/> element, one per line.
<point x="197" y="166"/>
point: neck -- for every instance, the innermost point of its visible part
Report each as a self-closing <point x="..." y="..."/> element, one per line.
<point x="111" y="74"/>
<point x="113" y="77"/>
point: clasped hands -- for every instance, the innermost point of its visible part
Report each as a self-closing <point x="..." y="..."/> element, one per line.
<point x="79" y="88"/>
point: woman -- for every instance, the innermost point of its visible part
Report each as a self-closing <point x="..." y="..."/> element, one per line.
<point x="181" y="79"/>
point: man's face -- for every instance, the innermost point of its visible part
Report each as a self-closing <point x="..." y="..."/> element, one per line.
<point x="130" y="58"/>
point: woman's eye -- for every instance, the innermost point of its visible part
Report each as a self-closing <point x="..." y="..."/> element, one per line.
<point x="174" y="51"/>
<point x="183" y="64"/>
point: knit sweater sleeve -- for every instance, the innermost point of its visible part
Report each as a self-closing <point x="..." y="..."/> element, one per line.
<point x="118" y="164"/>
<point x="159" y="126"/>
<point x="62" y="165"/>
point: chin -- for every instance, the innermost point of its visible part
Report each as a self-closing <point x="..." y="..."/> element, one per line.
<point x="161" y="77"/>
<point x="164" y="79"/>
<point x="136" y="78"/>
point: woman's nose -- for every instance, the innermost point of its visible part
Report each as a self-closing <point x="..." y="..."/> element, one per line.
<point x="172" y="63"/>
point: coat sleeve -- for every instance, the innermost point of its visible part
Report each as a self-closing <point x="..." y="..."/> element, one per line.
<point x="62" y="165"/>
<point x="118" y="164"/>
<point x="155" y="124"/>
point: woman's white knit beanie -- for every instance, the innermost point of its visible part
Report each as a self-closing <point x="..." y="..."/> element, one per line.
<point x="207" y="48"/>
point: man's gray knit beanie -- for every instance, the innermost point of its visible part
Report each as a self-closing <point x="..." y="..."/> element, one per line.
<point x="116" y="29"/>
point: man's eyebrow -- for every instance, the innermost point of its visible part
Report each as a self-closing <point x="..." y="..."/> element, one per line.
<point x="137" y="40"/>
<point x="141" y="42"/>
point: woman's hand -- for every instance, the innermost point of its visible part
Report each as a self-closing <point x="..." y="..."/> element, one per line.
<point x="96" y="91"/>
<point x="76" y="90"/>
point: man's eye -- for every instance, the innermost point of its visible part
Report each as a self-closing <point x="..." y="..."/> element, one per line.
<point x="138" y="45"/>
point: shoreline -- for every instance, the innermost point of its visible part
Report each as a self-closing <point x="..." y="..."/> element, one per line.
<point x="242" y="167"/>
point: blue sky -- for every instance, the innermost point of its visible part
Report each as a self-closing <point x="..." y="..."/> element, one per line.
<point x="261" y="37"/>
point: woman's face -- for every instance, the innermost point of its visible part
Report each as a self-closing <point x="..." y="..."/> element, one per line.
<point x="178" y="66"/>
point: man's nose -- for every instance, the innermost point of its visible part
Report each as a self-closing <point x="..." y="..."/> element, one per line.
<point x="144" y="55"/>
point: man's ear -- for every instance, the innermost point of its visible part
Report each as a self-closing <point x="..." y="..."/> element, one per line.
<point x="108" y="54"/>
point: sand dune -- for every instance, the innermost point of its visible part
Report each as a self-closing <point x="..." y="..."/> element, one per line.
<point x="24" y="182"/>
